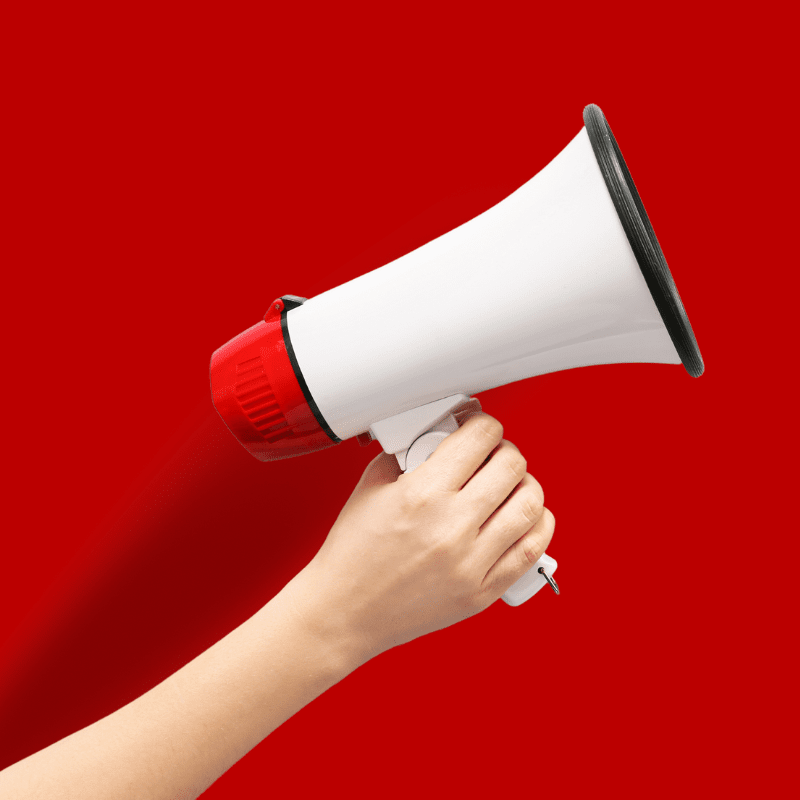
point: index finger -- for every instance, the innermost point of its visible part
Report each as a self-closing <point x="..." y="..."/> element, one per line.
<point x="455" y="460"/>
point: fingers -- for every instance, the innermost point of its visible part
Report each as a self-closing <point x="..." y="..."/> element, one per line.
<point x="470" y="408"/>
<point x="520" y="556"/>
<point x="489" y="487"/>
<point x="517" y="515"/>
<point x="455" y="460"/>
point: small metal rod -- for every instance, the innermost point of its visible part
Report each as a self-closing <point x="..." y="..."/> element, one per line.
<point x="550" y="580"/>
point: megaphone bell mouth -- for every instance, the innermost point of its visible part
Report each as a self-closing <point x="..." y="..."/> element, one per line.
<point x="642" y="238"/>
<point x="575" y="280"/>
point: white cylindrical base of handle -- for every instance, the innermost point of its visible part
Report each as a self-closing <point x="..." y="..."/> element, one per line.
<point x="530" y="583"/>
<point x="422" y="448"/>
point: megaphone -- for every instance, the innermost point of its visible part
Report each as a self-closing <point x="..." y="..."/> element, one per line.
<point x="565" y="272"/>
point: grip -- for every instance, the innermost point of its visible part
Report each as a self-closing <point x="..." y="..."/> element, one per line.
<point x="419" y="452"/>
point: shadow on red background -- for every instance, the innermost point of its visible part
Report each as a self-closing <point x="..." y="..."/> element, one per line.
<point x="174" y="170"/>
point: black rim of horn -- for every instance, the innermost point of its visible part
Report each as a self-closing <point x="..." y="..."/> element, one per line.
<point x="642" y="238"/>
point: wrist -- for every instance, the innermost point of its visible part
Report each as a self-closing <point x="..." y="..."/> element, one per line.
<point x="327" y="623"/>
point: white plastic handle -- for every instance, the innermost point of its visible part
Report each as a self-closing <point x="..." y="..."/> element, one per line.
<point x="420" y="451"/>
<point x="530" y="583"/>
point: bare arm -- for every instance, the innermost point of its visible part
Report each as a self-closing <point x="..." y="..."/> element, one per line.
<point x="176" y="739"/>
<point x="409" y="554"/>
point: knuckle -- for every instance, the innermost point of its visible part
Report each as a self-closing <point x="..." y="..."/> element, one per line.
<point x="536" y="487"/>
<point x="488" y="427"/>
<point x="530" y="507"/>
<point x="515" y="461"/>
<point x="513" y="526"/>
<point x="532" y="549"/>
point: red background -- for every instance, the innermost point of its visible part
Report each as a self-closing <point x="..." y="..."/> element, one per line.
<point x="173" y="168"/>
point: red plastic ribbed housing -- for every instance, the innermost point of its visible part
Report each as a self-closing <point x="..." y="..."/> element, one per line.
<point x="257" y="394"/>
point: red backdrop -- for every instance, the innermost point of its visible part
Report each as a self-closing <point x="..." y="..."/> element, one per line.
<point x="173" y="168"/>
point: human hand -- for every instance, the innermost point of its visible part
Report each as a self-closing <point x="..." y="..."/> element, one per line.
<point x="414" y="553"/>
<point x="409" y="554"/>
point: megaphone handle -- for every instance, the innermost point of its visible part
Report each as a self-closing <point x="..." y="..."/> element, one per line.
<point x="423" y="446"/>
<point x="540" y="574"/>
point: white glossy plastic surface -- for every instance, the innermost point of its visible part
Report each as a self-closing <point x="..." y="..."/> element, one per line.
<point x="422" y="448"/>
<point x="398" y="432"/>
<point x="530" y="583"/>
<point x="543" y="281"/>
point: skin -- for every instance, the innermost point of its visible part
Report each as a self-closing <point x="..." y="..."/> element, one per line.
<point x="408" y="555"/>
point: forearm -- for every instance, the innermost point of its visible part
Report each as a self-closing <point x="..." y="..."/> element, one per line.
<point x="176" y="739"/>
<point x="407" y="556"/>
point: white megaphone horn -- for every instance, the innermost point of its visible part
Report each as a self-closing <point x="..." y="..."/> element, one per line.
<point x="565" y="272"/>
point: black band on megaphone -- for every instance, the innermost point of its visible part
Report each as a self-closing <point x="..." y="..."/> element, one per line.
<point x="290" y="302"/>
<point x="642" y="238"/>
